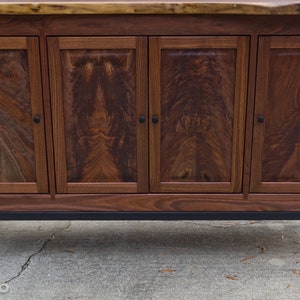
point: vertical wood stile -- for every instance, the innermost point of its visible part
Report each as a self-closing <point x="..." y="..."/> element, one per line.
<point x="37" y="110"/>
<point x="58" y="118"/>
<point x="239" y="113"/>
<point x="47" y="114"/>
<point x="260" y="96"/>
<point x="154" y="109"/>
<point x="142" y="110"/>
<point x="249" y="115"/>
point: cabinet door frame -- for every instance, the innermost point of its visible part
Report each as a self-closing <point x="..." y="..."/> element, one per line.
<point x="266" y="44"/>
<point x="31" y="45"/>
<point x="139" y="44"/>
<point x="241" y="44"/>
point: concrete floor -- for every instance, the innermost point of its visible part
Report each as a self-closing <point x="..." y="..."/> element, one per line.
<point x="150" y="260"/>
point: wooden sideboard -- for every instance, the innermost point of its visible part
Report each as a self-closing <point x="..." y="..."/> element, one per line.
<point x="150" y="113"/>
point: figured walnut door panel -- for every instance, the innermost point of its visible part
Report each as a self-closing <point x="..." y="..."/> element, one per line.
<point x="276" y="141"/>
<point x="23" y="166"/>
<point x="99" y="93"/>
<point x="197" y="99"/>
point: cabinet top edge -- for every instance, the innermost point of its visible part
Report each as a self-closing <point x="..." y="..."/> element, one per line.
<point x="68" y="7"/>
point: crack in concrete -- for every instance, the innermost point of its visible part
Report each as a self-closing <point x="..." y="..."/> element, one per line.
<point x="27" y="263"/>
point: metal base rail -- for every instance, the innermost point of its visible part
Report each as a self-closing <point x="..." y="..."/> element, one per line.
<point x="163" y="216"/>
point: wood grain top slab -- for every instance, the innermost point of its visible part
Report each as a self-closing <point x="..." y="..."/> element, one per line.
<point x="67" y="7"/>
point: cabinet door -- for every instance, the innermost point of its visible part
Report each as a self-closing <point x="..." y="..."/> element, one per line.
<point x="99" y="100"/>
<point x="22" y="142"/>
<point x="276" y="142"/>
<point x="197" y="106"/>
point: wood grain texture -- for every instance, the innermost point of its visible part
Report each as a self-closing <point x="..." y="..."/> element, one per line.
<point x="47" y="114"/>
<point x="56" y="94"/>
<point x="277" y="150"/>
<point x="239" y="116"/>
<point x="18" y="187"/>
<point x="108" y="25"/>
<point x="154" y="110"/>
<point x="17" y="162"/>
<point x="150" y="7"/>
<point x="249" y="114"/>
<point x="37" y="111"/>
<point x="22" y="149"/>
<point x="142" y="99"/>
<point x="100" y="120"/>
<point x="161" y="25"/>
<point x="200" y="117"/>
<point x="10" y="43"/>
<point x="97" y="110"/>
<point x="197" y="114"/>
<point x="282" y="111"/>
<point x="105" y="43"/>
<point x="104" y="188"/>
<point x="152" y="203"/>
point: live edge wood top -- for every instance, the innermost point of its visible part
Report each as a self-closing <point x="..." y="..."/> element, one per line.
<point x="246" y="7"/>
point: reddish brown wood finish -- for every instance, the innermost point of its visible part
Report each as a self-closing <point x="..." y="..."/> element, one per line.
<point x="23" y="156"/>
<point x="93" y="84"/>
<point x="276" y="147"/>
<point x="109" y="25"/>
<point x="153" y="25"/>
<point x="181" y="198"/>
<point x="249" y="115"/>
<point x="151" y="203"/>
<point x="198" y="93"/>
<point x="47" y="113"/>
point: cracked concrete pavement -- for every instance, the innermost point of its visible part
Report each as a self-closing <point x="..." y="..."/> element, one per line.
<point x="150" y="260"/>
<point x="27" y="262"/>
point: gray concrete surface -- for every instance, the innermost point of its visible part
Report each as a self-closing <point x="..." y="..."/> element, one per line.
<point x="150" y="260"/>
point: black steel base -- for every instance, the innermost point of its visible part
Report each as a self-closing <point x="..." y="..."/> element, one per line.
<point x="172" y="216"/>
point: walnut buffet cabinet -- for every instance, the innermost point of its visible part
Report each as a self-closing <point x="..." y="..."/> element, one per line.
<point x="149" y="110"/>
